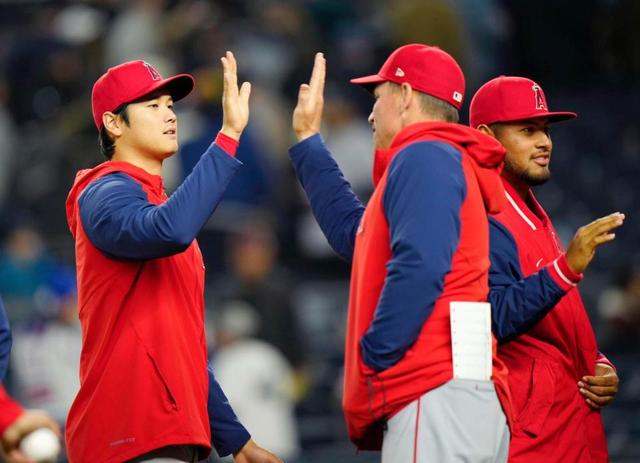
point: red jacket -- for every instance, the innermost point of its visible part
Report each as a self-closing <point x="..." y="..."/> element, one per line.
<point x="143" y="385"/>
<point x="370" y="397"/>
<point x="9" y="410"/>
<point x="545" y="362"/>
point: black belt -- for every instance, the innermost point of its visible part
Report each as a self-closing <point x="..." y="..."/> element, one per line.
<point x="187" y="453"/>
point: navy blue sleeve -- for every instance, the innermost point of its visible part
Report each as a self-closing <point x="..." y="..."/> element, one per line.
<point x="227" y="433"/>
<point x="121" y="222"/>
<point x="517" y="303"/>
<point x="425" y="190"/>
<point x="5" y="342"/>
<point x="334" y="205"/>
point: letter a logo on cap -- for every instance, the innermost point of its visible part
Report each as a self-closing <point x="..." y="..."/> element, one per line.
<point x="155" y="75"/>
<point x="540" y="103"/>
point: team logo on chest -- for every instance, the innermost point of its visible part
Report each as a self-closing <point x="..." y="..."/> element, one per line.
<point x="541" y="104"/>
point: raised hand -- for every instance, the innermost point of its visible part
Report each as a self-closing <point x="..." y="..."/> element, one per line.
<point x="235" y="102"/>
<point x="253" y="453"/>
<point x="589" y="237"/>
<point x="307" y="114"/>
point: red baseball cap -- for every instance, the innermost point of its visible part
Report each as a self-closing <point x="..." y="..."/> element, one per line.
<point x="427" y="69"/>
<point x="507" y="99"/>
<point x="130" y="81"/>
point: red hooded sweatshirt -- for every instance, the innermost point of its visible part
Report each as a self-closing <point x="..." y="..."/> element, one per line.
<point x="370" y="397"/>
<point x="143" y="384"/>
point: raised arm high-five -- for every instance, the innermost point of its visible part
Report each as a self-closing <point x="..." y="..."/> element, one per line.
<point x="141" y="279"/>
<point x="307" y="115"/>
<point x="235" y="101"/>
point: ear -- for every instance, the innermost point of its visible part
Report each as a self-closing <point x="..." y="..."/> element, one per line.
<point x="112" y="124"/>
<point x="406" y="95"/>
<point x="486" y="130"/>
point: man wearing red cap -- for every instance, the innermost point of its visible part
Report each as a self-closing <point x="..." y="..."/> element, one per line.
<point x="557" y="377"/>
<point x="145" y="391"/>
<point x="419" y="247"/>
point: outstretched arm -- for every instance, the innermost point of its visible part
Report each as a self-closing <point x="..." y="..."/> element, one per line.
<point x="334" y="205"/>
<point x="518" y="302"/>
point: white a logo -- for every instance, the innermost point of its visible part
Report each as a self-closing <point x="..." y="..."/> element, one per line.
<point x="399" y="72"/>
<point x="155" y="75"/>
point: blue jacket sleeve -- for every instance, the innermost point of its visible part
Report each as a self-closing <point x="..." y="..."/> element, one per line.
<point x="121" y="222"/>
<point x="5" y="342"/>
<point x="334" y="205"/>
<point x="422" y="200"/>
<point x="517" y="303"/>
<point x="227" y="433"/>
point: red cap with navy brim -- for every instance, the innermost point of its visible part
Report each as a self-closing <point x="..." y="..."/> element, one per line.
<point x="131" y="81"/>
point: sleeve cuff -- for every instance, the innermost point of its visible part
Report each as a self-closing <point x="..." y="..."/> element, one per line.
<point x="562" y="274"/>
<point x="234" y="444"/>
<point x="305" y="145"/>
<point x="601" y="358"/>
<point x="228" y="144"/>
<point x="9" y="411"/>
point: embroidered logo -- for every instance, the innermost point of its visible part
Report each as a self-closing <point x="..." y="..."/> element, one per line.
<point x="155" y="75"/>
<point x="457" y="96"/>
<point x="126" y="440"/>
<point x="399" y="72"/>
<point x="541" y="104"/>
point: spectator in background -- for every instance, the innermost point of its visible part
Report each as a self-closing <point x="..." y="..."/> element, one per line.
<point x="258" y="378"/>
<point x="9" y="142"/>
<point x="24" y="267"/>
<point x="46" y="356"/>
<point x="136" y="32"/>
<point x="619" y="308"/>
<point x="255" y="278"/>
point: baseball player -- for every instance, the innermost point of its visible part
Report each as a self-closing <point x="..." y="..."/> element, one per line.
<point x="558" y="379"/>
<point x="420" y="245"/>
<point x="145" y="391"/>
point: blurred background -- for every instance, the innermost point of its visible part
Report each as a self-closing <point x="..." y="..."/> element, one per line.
<point x="276" y="294"/>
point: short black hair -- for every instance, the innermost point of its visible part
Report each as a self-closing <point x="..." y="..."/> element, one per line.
<point x="107" y="144"/>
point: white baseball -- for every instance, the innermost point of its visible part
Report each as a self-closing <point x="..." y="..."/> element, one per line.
<point x="41" y="445"/>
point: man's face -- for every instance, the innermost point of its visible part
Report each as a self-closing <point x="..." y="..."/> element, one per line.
<point x="528" y="145"/>
<point x="152" y="127"/>
<point x="385" y="115"/>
